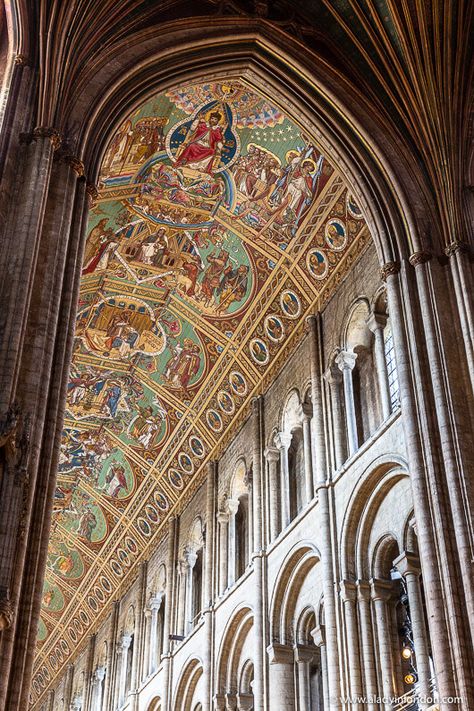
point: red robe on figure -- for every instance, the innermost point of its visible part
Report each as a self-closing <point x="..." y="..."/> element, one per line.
<point x="203" y="143"/>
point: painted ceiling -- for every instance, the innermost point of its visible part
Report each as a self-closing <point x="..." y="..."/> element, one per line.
<point x="219" y="227"/>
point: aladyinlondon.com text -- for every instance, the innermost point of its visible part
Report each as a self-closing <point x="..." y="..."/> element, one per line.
<point x="399" y="699"/>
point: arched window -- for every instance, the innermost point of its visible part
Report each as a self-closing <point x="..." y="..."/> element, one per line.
<point x="296" y="474"/>
<point x="160" y="629"/>
<point x="128" y="673"/>
<point x="391" y="367"/>
<point x="242" y="536"/>
<point x="197" y="587"/>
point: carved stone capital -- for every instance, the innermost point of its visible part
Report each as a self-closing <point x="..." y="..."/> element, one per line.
<point x="271" y="454"/>
<point x="363" y="591"/>
<point x="305" y="411"/>
<point x="304" y="653"/>
<point x="346" y="360"/>
<point x="348" y="590"/>
<point x="7" y="613"/>
<point x="408" y="563"/>
<point x="232" y="506"/>
<point x="100" y="673"/>
<point x="48" y="132"/>
<point x="93" y="193"/>
<point x="280" y="654"/>
<point x="125" y="641"/>
<point x="389" y="269"/>
<point x="457" y="246"/>
<point x="420" y="257"/>
<point x="333" y="375"/>
<point x="15" y="438"/>
<point x="75" y="163"/>
<point x="376" y="321"/>
<point x="223" y="517"/>
<point x="381" y="590"/>
<point x="190" y="557"/>
<point x="319" y="636"/>
<point x="282" y="440"/>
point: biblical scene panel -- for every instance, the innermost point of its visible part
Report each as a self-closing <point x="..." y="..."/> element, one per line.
<point x="218" y="228"/>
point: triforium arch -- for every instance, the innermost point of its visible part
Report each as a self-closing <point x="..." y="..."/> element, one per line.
<point x="234" y="668"/>
<point x="285" y="597"/>
<point x="187" y="694"/>
<point x="384" y="192"/>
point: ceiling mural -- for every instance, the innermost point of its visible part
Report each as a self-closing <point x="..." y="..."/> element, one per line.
<point x="218" y="228"/>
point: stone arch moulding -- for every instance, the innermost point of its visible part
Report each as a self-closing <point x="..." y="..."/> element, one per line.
<point x="374" y="483"/>
<point x="233" y="638"/>
<point x="189" y="678"/>
<point x="296" y="566"/>
<point x="322" y="112"/>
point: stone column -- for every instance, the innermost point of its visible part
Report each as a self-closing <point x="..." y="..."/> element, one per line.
<point x="111" y="663"/>
<point x="182" y="570"/>
<point x="461" y="271"/>
<point x="138" y="638"/>
<point x="305" y="413"/>
<point x="376" y="323"/>
<point x="409" y="566"/>
<point x="260" y="612"/>
<point x="272" y="456"/>
<point x="232" y="506"/>
<point x="367" y="644"/>
<point x="210" y="544"/>
<point x="97" y="689"/>
<point x="455" y="444"/>
<point x="282" y="682"/>
<point x="20" y="256"/>
<point x="333" y="377"/>
<point x="439" y="567"/>
<point x="50" y="702"/>
<point x="348" y="596"/>
<point x="223" y="519"/>
<point x="248" y="481"/>
<point x="191" y="558"/>
<point x="86" y="705"/>
<point x="34" y="373"/>
<point x="146" y="651"/>
<point x="381" y="592"/>
<point x="346" y="361"/>
<point x="303" y="656"/>
<point x="170" y="601"/>
<point x="68" y="685"/>
<point x="320" y="641"/>
<point x="324" y="512"/>
<point x="124" y="649"/>
<point x="155" y="605"/>
<point x="282" y="442"/>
